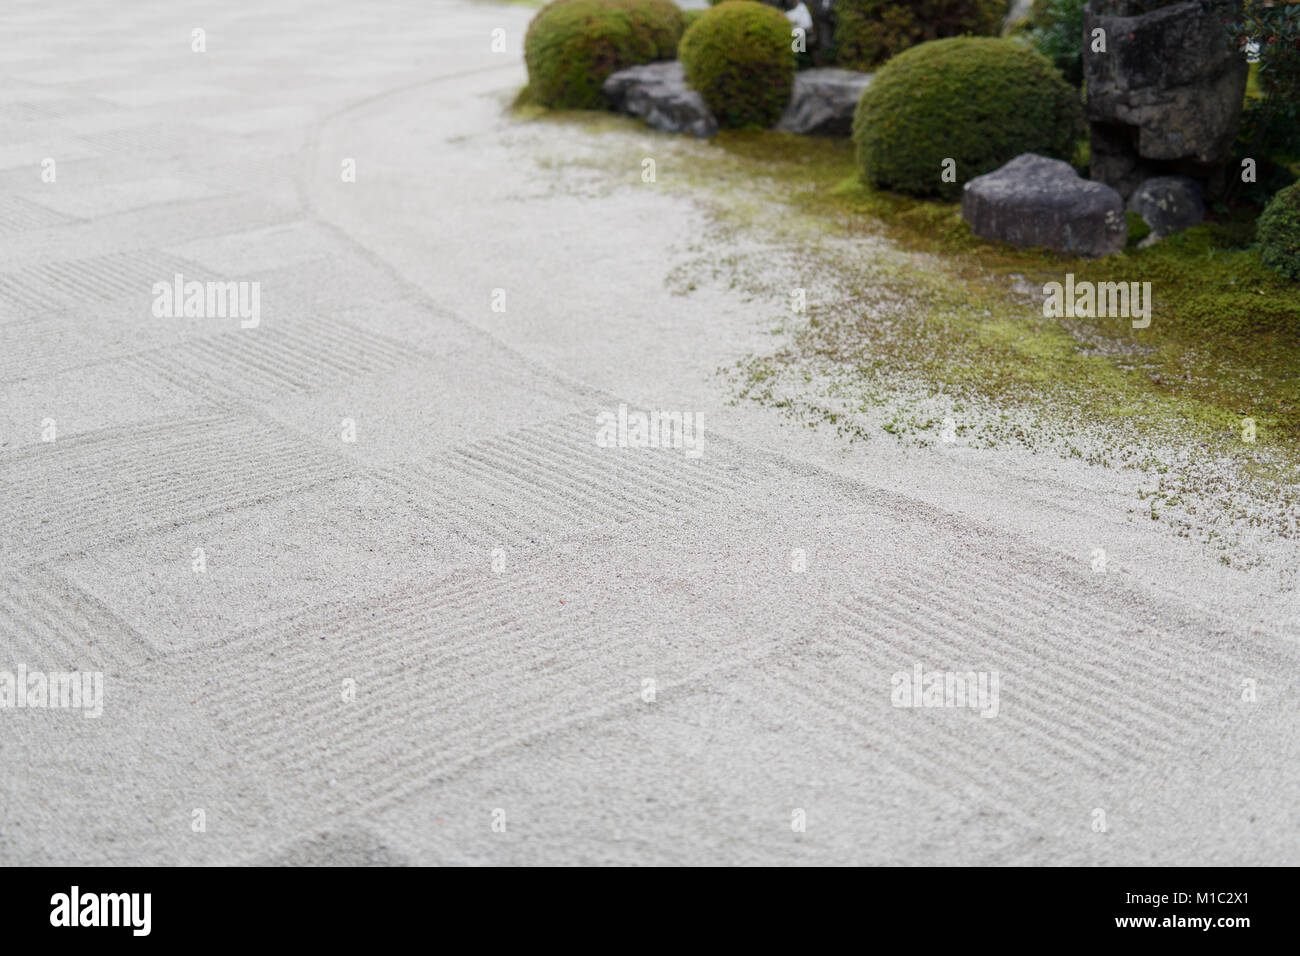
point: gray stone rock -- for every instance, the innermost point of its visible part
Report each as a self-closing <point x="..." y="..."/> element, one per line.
<point x="823" y="101"/>
<point x="1037" y="201"/>
<point x="1168" y="204"/>
<point x="657" y="92"/>
<point x="1165" y="98"/>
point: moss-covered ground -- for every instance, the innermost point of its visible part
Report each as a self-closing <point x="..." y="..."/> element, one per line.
<point x="915" y="328"/>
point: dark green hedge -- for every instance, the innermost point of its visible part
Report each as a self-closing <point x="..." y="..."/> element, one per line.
<point x="1278" y="232"/>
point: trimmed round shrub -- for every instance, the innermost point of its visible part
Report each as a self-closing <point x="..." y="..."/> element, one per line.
<point x="572" y="46"/>
<point x="979" y="101"/>
<point x="738" y="57"/>
<point x="1278" y="232"/>
<point x="869" y="32"/>
<point x="662" y="22"/>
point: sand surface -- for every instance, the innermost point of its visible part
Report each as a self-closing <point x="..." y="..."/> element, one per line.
<point x="473" y="635"/>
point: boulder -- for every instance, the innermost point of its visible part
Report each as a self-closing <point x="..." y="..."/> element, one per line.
<point x="1168" y="204"/>
<point x="657" y="92"/>
<point x="823" y="101"/>
<point x="1037" y="201"/>
<point x="1165" y="98"/>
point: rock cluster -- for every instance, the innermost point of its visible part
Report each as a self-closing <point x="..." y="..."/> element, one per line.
<point x="1165" y="97"/>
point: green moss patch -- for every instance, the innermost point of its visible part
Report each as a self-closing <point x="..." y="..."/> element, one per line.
<point x="912" y="323"/>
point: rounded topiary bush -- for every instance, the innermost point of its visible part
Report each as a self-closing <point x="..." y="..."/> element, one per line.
<point x="738" y="56"/>
<point x="661" y="22"/>
<point x="572" y="46"/>
<point x="869" y="32"/>
<point x="1278" y="232"/>
<point x="977" y="100"/>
